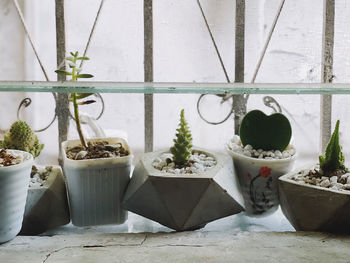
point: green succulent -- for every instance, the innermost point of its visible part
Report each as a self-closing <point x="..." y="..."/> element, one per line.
<point x="182" y="148"/>
<point x="333" y="159"/>
<point x="21" y="137"/>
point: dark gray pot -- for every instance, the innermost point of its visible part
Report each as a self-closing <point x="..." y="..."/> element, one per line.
<point x="183" y="202"/>
<point x="47" y="205"/>
<point x="314" y="208"/>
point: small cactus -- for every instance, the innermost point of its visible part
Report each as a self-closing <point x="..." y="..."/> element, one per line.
<point x="21" y="137"/>
<point x="333" y="159"/>
<point x="182" y="148"/>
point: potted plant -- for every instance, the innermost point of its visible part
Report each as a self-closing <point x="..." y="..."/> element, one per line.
<point x="97" y="170"/>
<point x="183" y="188"/>
<point x="261" y="153"/>
<point x="46" y="205"/>
<point x="15" y="169"/>
<point x="317" y="197"/>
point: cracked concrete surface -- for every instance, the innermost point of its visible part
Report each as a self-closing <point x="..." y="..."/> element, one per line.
<point x="179" y="247"/>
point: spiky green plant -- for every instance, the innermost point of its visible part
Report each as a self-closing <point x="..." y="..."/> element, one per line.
<point x="333" y="159"/>
<point x="182" y="148"/>
<point x="21" y="137"/>
<point x="74" y="97"/>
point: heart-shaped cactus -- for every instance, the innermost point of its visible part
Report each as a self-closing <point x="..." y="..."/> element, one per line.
<point x="271" y="132"/>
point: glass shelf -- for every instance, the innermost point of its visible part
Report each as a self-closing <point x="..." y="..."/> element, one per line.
<point x="175" y="87"/>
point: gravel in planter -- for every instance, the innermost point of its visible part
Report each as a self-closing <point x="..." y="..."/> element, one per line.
<point x="236" y="146"/>
<point x="9" y="157"/>
<point x="339" y="180"/>
<point x="198" y="163"/>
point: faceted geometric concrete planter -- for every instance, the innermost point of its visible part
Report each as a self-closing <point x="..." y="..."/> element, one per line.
<point x="183" y="202"/>
<point x="47" y="205"/>
<point x="13" y="194"/>
<point x="96" y="186"/>
<point x="314" y="208"/>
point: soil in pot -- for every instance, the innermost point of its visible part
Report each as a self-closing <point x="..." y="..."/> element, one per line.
<point x="96" y="150"/>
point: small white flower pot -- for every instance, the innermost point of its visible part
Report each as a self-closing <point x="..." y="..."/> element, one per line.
<point x="47" y="205"/>
<point x="183" y="202"/>
<point x="258" y="180"/>
<point x="314" y="208"/>
<point x="96" y="187"/>
<point x="13" y="194"/>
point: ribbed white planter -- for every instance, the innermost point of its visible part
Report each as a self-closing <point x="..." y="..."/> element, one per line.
<point x="47" y="205"/>
<point x="13" y="194"/>
<point x="96" y="187"/>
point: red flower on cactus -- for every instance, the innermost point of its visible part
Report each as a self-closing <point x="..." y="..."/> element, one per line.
<point x="265" y="171"/>
<point x="249" y="175"/>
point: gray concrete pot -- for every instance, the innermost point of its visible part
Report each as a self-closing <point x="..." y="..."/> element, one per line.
<point x="96" y="187"/>
<point x="258" y="181"/>
<point x="13" y="194"/>
<point x="47" y="205"/>
<point x="183" y="202"/>
<point x="314" y="208"/>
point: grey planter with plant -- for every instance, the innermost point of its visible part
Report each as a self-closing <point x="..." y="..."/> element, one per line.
<point x="97" y="171"/>
<point x="177" y="195"/>
<point x="261" y="154"/>
<point x="317" y="197"/>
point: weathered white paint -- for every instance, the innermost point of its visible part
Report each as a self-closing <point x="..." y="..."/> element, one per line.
<point x="182" y="52"/>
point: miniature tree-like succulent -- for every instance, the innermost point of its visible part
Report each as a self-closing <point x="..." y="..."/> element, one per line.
<point x="182" y="148"/>
<point x="333" y="159"/>
<point x="271" y="132"/>
<point x="21" y="137"/>
<point x="74" y="97"/>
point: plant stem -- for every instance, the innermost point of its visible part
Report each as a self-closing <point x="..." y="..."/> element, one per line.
<point x="77" y="121"/>
<point x="76" y="110"/>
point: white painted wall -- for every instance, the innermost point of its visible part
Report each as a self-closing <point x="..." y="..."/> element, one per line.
<point x="182" y="52"/>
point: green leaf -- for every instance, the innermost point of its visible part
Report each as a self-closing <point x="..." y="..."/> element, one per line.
<point x="63" y="72"/>
<point x="85" y="76"/>
<point x="70" y="59"/>
<point x="73" y="55"/>
<point x="333" y="159"/>
<point x="86" y="102"/>
<point x="271" y="132"/>
<point x="82" y="58"/>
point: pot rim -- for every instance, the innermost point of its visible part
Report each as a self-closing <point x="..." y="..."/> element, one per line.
<point x="262" y="161"/>
<point x="286" y="178"/>
<point x="123" y="141"/>
<point x="28" y="158"/>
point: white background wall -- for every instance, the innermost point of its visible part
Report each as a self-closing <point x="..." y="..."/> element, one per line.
<point x="182" y="53"/>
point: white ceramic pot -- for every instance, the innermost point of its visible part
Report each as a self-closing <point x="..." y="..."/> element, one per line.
<point x="96" y="187"/>
<point x="13" y="194"/>
<point x="47" y="205"/>
<point x="183" y="202"/>
<point x="258" y="180"/>
<point x="314" y="208"/>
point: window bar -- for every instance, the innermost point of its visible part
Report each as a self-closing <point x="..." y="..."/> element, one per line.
<point x="148" y="72"/>
<point x="327" y="72"/>
<point x="240" y="107"/>
<point x="62" y="102"/>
